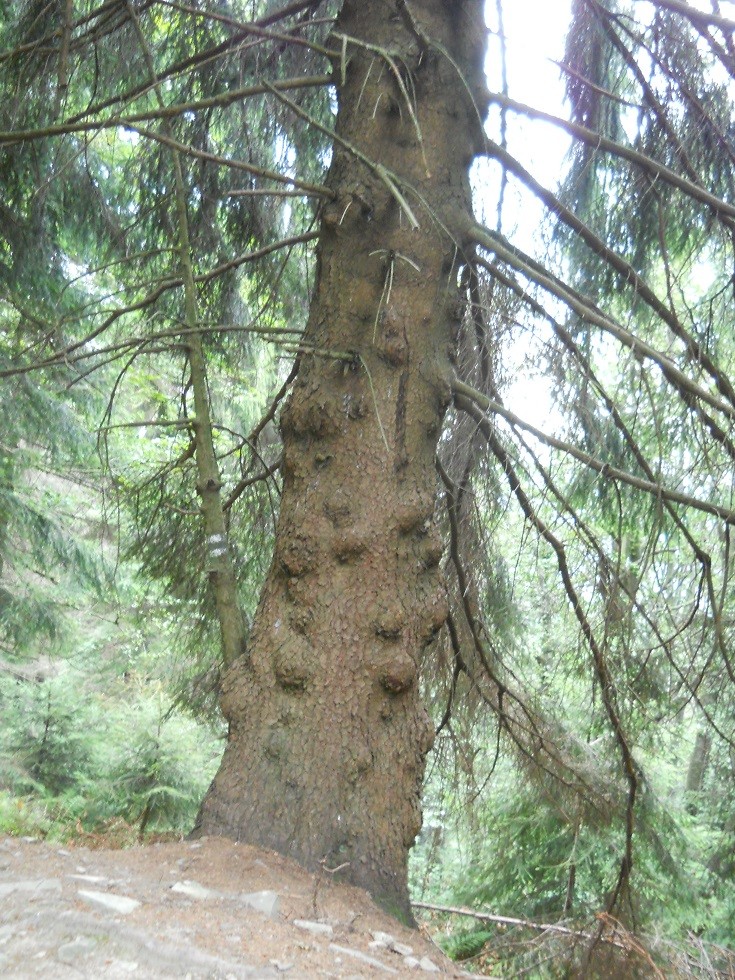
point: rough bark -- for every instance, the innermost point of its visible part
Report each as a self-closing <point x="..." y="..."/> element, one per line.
<point x="328" y="735"/>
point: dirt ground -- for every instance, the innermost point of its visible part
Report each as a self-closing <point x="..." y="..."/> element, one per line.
<point x="209" y="908"/>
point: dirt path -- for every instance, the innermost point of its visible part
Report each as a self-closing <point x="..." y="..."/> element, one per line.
<point x="209" y="908"/>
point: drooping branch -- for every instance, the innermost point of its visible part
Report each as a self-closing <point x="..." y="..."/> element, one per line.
<point x="696" y="16"/>
<point x="606" y="681"/>
<point x="700" y="554"/>
<point x="629" y="277"/>
<point x="722" y="210"/>
<point x="12" y="137"/>
<point x="466" y="395"/>
<point x="318" y="190"/>
<point x="533" y="737"/>
<point x="505" y="920"/>
<point x="588" y="312"/>
<point x="71" y="351"/>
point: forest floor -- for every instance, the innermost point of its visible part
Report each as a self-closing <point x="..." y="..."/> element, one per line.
<point x="192" y="909"/>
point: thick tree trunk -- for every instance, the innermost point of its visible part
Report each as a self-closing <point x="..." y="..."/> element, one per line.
<point x="328" y="735"/>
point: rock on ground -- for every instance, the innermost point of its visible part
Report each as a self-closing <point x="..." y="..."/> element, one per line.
<point x="205" y="909"/>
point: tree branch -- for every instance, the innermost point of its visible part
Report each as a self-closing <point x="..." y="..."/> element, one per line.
<point x="720" y="208"/>
<point x="467" y="398"/>
<point x="9" y="138"/>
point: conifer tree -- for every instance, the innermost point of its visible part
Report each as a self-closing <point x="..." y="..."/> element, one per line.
<point x="300" y="172"/>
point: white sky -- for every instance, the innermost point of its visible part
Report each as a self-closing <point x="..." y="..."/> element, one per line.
<point x="535" y="33"/>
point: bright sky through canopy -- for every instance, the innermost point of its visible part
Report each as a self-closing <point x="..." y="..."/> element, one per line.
<point x="534" y="34"/>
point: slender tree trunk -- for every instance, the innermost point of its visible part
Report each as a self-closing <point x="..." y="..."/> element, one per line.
<point x="328" y="735"/>
<point x="698" y="761"/>
<point x="220" y="568"/>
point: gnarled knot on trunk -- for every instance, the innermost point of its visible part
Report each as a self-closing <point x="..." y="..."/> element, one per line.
<point x="358" y="198"/>
<point x="389" y="619"/>
<point x="431" y="549"/>
<point x="435" y="616"/>
<point x="316" y="416"/>
<point x="349" y="543"/>
<point x="415" y="515"/>
<point x="211" y="486"/>
<point x="399" y="674"/>
<point x="297" y="556"/>
<point x="338" y="508"/>
<point x="293" y="663"/>
<point x="394" y="347"/>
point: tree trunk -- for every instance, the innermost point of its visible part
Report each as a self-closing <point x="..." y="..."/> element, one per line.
<point x="328" y="735"/>
<point x="698" y="761"/>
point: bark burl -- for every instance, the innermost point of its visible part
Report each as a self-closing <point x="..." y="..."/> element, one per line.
<point x="328" y="735"/>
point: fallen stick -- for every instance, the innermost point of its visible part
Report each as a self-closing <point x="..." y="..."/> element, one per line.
<point x="505" y="920"/>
